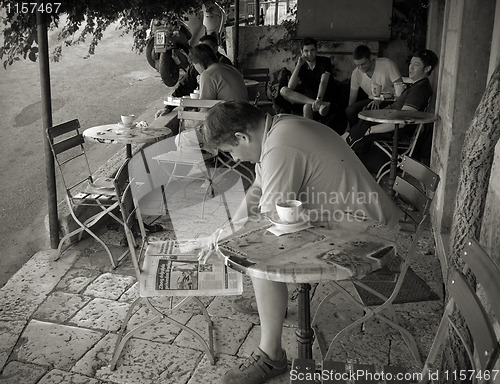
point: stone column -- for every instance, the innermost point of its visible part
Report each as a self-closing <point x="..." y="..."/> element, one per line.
<point x="463" y="72"/>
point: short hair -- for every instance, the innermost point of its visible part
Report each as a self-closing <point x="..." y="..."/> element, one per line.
<point x="210" y="39"/>
<point x="428" y="57"/>
<point x="202" y="54"/>
<point x="361" y="52"/>
<point x="225" y="119"/>
<point x="309" y="41"/>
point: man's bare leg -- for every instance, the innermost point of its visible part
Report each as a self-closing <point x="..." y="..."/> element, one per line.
<point x="272" y="300"/>
<point x="295" y="97"/>
<point x="319" y="105"/>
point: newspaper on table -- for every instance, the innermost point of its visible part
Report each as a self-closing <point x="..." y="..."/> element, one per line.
<point x="172" y="267"/>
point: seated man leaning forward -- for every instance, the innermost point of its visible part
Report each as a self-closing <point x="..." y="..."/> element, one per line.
<point x="368" y="71"/>
<point x="313" y="72"/>
<point x="189" y="82"/>
<point x="218" y="81"/>
<point x="297" y="158"/>
<point x="414" y="98"/>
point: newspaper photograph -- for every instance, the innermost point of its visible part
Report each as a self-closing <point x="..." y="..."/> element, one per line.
<point x="172" y="267"/>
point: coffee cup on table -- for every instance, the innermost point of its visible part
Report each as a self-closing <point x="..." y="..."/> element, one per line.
<point x="399" y="88"/>
<point x="127" y="119"/>
<point x="376" y="89"/>
<point x="289" y="210"/>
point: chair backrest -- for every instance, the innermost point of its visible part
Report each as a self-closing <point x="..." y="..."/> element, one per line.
<point x="129" y="211"/>
<point x="197" y="115"/>
<point x="261" y="75"/>
<point x="191" y="119"/>
<point x="479" y="322"/>
<point x="415" y="196"/>
<point x="66" y="144"/>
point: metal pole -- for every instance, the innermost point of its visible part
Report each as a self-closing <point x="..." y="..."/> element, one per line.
<point x="43" y="59"/>
<point x="236" y="32"/>
<point x="257" y="12"/>
<point x="276" y="12"/>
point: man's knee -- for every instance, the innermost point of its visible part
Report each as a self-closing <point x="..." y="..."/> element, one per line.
<point x="285" y="92"/>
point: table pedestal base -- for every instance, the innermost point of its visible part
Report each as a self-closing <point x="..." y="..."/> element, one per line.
<point x="305" y="334"/>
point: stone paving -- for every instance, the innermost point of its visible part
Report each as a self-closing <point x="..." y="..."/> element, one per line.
<point x="59" y="322"/>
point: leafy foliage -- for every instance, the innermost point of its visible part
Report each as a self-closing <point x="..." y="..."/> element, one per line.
<point x="79" y="19"/>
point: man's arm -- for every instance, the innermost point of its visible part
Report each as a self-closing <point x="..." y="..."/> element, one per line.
<point x="294" y="79"/>
<point x="353" y="95"/>
<point x="249" y="206"/>
<point x="188" y="83"/>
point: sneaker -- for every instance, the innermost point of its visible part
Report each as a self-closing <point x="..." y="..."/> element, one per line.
<point x="324" y="108"/>
<point x="256" y="369"/>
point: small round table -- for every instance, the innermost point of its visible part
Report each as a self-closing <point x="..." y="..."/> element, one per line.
<point x="335" y="248"/>
<point x="120" y="134"/>
<point x="396" y="117"/>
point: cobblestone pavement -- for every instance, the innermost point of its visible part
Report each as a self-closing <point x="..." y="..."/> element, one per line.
<point x="59" y="322"/>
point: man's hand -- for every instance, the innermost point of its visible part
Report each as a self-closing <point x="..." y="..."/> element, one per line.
<point x="164" y="111"/>
<point x="301" y="61"/>
<point x="374" y="104"/>
<point x="205" y="253"/>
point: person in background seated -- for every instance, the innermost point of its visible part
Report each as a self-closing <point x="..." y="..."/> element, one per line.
<point x="414" y="98"/>
<point x="313" y="72"/>
<point x="189" y="82"/>
<point x="380" y="70"/>
<point x="217" y="81"/>
<point x="296" y="158"/>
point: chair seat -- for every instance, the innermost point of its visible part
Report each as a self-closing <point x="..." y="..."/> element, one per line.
<point x="100" y="192"/>
<point x="102" y="186"/>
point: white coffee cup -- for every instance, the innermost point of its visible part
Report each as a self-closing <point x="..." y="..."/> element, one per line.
<point x="289" y="210"/>
<point x="399" y="88"/>
<point x="376" y="89"/>
<point x="194" y="95"/>
<point x="127" y="119"/>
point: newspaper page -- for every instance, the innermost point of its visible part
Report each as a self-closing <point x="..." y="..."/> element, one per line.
<point x="172" y="267"/>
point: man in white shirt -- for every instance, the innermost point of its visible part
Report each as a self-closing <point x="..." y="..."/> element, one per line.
<point x="368" y="71"/>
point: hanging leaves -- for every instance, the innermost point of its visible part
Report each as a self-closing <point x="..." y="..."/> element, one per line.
<point x="78" y="20"/>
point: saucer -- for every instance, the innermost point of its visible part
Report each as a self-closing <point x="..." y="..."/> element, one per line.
<point x="126" y="126"/>
<point x="303" y="219"/>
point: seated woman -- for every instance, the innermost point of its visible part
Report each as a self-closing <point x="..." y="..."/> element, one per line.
<point x="414" y="98"/>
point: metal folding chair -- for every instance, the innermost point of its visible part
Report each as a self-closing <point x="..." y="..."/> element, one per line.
<point x="405" y="148"/>
<point x="86" y="197"/>
<point x="143" y="259"/>
<point x="484" y="350"/>
<point x="259" y="93"/>
<point x="420" y="200"/>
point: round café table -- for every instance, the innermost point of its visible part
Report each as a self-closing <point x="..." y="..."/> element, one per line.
<point x="334" y="248"/>
<point x="121" y="134"/>
<point x="396" y="117"/>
